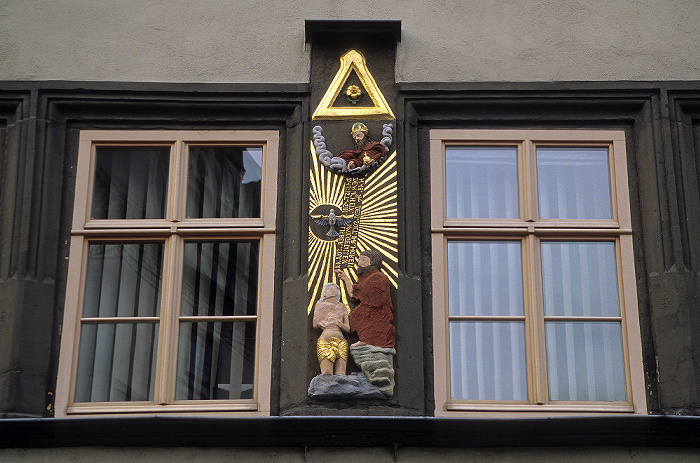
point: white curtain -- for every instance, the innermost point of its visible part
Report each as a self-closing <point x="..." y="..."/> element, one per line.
<point x="574" y="183"/>
<point x="224" y="182"/>
<point x="584" y="358"/>
<point x="487" y="358"/>
<point x="482" y="182"/>
<point x="130" y="183"/>
<point x="216" y="358"/>
<point x="117" y="360"/>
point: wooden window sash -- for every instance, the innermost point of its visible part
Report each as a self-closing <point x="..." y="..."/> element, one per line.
<point x="532" y="231"/>
<point x="172" y="230"/>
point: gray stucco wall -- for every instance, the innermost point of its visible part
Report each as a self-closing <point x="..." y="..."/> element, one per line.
<point x="448" y="40"/>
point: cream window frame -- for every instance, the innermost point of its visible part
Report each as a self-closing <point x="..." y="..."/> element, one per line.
<point x="173" y="230"/>
<point x="531" y="231"/>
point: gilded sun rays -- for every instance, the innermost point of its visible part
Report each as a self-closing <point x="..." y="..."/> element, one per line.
<point x="374" y="223"/>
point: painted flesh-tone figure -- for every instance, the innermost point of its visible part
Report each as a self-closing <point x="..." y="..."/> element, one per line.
<point x="373" y="316"/>
<point x="332" y="317"/>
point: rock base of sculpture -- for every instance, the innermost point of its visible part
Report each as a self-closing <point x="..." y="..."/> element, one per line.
<point x="352" y="386"/>
<point x="377" y="364"/>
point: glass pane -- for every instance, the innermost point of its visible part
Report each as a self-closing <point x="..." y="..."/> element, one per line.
<point x="481" y="182"/>
<point x="220" y="278"/>
<point x="123" y="279"/>
<point x="487" y="361"/>
<point x="580" y="279"/>
<point x="584" y="361"/>
<point x="130" y="183"/>
<point x="224" y="182"/>
<point x="574" y="183"/>
<point x="216" y="360"/>
<point x="485" y="278"/>
<point x="116" y="362"/>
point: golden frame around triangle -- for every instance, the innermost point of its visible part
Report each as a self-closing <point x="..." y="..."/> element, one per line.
<point x="353" y="61"/>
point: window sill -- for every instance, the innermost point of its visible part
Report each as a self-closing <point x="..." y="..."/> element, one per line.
<point x="456" y="409"/>
<point x="189" y="408"/>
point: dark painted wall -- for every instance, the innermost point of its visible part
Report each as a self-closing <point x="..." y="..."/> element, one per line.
<point x="663" y="193"/>
<point x="298" y="336"/>
<point x="39" y="126"/>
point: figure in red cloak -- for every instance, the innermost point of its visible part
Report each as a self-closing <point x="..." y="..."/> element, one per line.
<point x="367" y="151"/>
<point x="372" y="317"/>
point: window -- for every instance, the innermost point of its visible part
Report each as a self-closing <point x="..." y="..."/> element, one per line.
<point x="173" y="232"/>
<point x="534" y="302"/>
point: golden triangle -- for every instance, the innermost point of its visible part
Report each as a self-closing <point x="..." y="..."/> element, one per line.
<point x="353" y="61"/>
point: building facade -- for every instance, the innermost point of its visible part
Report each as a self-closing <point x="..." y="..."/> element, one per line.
<point x="536" y="209"/>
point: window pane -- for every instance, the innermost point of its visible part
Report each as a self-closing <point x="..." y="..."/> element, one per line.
<point x="487" y="361"/>
<point x="116" y="362"/>
<point x="220" y="278"/>
<point x="481" y="182"/>
<point x="130" y="183"/>
<point x="574" y="183"/>
<point x="216" y="361"/>
<point x="123" y="280"/>
<point x="485" y="278"/>
<point x="580" y="279"/>
<point x="584" y="361"/>
<point x="224" y="182"/>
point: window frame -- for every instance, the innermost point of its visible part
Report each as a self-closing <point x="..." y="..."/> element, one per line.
<point x="532" y="231"/>
<point x="174" y="230"/>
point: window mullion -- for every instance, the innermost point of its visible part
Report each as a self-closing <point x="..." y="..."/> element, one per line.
<point x="537" y="362"/>
<point x="177" y="187"/>
<point x="170" y="306"/>
<point x="529" y="176"/>
<point x="534" y="311"/>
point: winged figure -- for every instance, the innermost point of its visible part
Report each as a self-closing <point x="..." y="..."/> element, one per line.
<point x="332" y="221"/>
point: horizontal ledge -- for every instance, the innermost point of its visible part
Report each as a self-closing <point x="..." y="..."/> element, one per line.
<point x="165" y="232"/>
<point x="222" y="222"/>
<point x="486" y="318"/>
<point x="523" y="231"/>
<point x="362" y="27"/>
<point x="120" y="320"/>
<point x="532" y="408"/>
<point x="218" y="318"/>
<point x="449" y="222"/>
<point x="518" y="318"/>
<point x="580" y="318"/>
<point x="213" y="406"/>
<point x="127" y="232"/>
<point x="222" y="231"/>
<point x="396" y="431"/>
<point x="188" y="318"/>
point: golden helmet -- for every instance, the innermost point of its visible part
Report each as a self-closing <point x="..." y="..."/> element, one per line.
<point x="359" y="126"/>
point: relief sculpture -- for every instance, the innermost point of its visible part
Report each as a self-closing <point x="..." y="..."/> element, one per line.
<point x="331" y="316"/>
<point x="353" y="242"/>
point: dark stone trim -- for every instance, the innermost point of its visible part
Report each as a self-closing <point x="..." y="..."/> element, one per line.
<point x="86" y="87"/>
<point x="39" y="128"/>
<point x="663" y="184"/>
<point x="39" y="123"/>
<point x="353" y="26"/>
<point x="620" y="87"/>
<point x="163" y="431"/>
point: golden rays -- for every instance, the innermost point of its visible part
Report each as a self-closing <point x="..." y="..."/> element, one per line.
<point x="376" y="224"/>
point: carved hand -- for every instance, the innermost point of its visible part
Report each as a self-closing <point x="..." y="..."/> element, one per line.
<point x="345" y="279"/>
